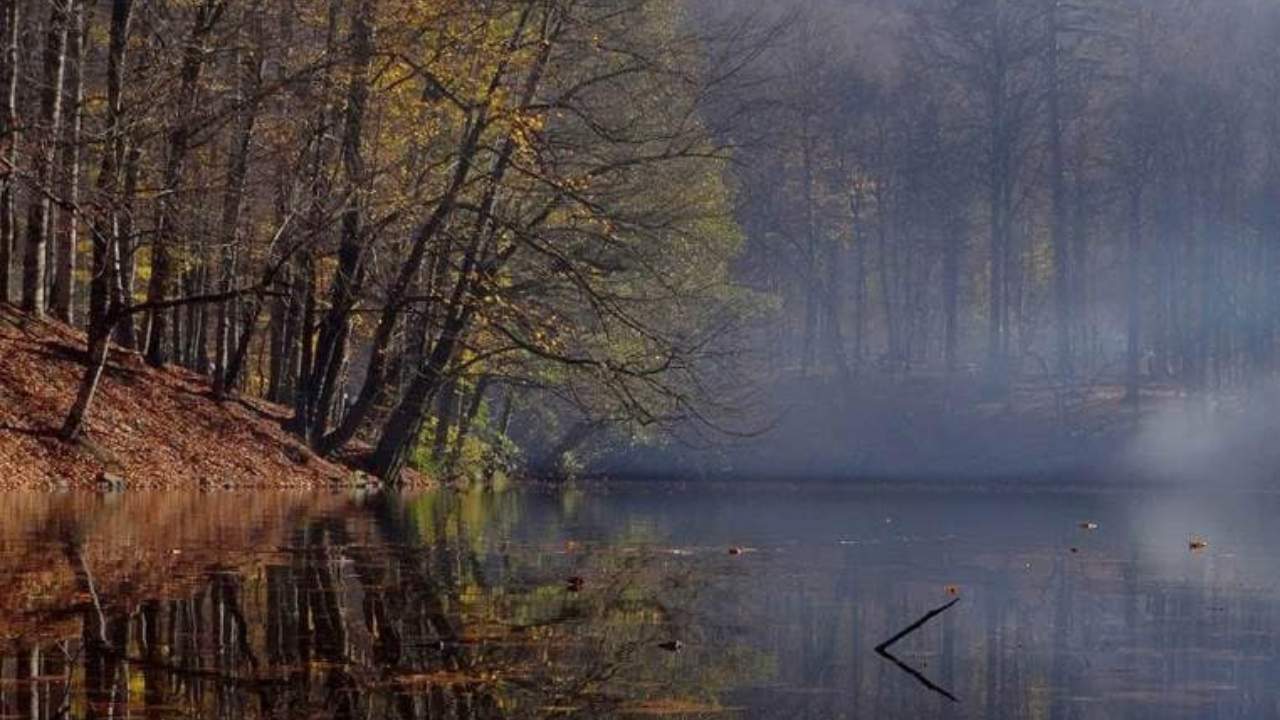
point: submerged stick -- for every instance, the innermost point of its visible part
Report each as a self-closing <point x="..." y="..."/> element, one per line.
<point x="883" y="650"/>
<point x="915" y="626"/>
<point x="918" y="676"/>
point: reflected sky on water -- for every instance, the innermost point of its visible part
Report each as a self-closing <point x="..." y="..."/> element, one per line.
<point x="627" y="602"/>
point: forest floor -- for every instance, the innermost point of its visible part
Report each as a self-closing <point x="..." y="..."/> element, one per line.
<point x="150" y="428"/>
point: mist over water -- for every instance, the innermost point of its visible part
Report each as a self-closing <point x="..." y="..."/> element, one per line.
<point x="1211" y="444"/>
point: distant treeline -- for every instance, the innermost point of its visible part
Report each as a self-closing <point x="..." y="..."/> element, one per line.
<point x="1072" y="192"/>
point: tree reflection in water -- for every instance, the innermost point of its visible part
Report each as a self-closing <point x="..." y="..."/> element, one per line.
<point x="345" y="609"/>
<point x="461" y="605"/>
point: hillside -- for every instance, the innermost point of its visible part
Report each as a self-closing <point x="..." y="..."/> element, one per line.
<point x="153" y="428"/>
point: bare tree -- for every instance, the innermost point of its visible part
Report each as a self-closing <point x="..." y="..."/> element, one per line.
<point x="9" y="34"/>
<point x="40" y="211"/>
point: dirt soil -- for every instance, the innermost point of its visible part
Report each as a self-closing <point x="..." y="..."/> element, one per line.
<point x="152" y="428"/>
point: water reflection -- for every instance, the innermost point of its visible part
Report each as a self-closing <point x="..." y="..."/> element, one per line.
<point x="337" y="607"/>
<point x="548" y="604"/>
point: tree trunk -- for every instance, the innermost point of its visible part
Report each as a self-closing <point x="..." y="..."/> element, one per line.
<point x="69" y="226"/>
<point x="447" y="401"/>
<point x="835" y="309"/>
<point x="236" y="362"/>
<point x="1058" y="230"/>
<point x="290" y="346"/>
<point x="951" y="301"/>
<point x="127" y="330"/>
<point x="9" y="35"/>
<point x="302" y="423"/>
<point x="859" y="282"/>
<point x="105" y="283"/>
<point x="403" y="428"/>
<point x="277" y="349"/>
<point x="319" y="149"/>
<point x="200" y="323"/>
<point x="1079" y="256"/>
<point x="997" y="288"/>
<point x="107" y="300"/>
<point x="34" y="266"/>
<point x="886" y="292"/>
<point x="465" y="422"/>
<point x="999" y="159"/>
<point x="808" y="347"/>
<point x="372" y="390"/>
<point x="99" y="346"/>
<point x="233" y="201"/>
<point x="1133" y="295"/>
<point x="499" y="432"/>
<point x="349" y="276"/>
<point x="279" y="345"/>
<point x="160" y="286"/>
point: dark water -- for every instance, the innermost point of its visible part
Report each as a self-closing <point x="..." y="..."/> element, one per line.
<point x="558" y="604"/>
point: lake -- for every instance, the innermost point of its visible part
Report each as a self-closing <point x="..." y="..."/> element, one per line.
<point x="635" y="601"/>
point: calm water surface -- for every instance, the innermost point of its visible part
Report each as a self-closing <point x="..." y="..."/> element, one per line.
<point x="568" y="604"/>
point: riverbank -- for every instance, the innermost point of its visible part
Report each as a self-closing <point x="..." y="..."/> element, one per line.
<point x="151" y="429"/>
<point x="932" y="431"/>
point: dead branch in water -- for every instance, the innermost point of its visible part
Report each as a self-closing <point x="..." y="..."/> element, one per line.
<point x="883" y="650"/>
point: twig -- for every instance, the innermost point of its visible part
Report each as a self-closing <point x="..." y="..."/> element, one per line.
<point x="882" y="647"/>
<point x="883" y="650"/>
<point x="919" y="676"/>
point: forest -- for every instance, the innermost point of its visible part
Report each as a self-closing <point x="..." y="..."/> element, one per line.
<point x="1069" y="209"/>
<point x="560" y="234"/>
<point x="499" y="359"/>
<point x="394" y="217"/>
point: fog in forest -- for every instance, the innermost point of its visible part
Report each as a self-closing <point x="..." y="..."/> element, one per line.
<point x="1010" y="239"/>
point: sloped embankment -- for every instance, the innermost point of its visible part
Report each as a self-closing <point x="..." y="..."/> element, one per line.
<point x="154" y="428"/>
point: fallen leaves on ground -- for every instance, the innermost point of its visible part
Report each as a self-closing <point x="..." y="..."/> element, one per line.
<point x="153" y="428"/>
